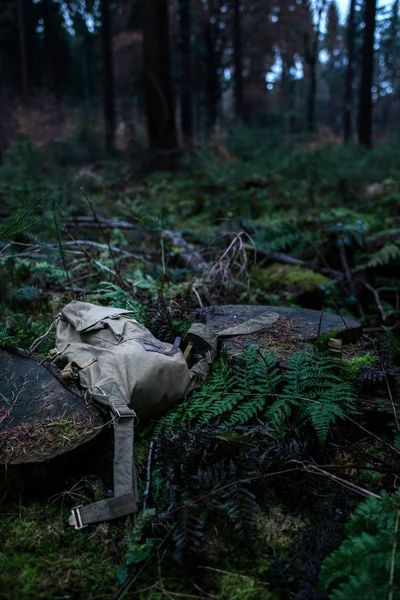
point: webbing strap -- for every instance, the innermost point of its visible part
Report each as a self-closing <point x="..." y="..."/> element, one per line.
<point x="125" y="497"/>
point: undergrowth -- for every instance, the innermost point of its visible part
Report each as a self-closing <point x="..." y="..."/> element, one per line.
<point x="235" y="506"/>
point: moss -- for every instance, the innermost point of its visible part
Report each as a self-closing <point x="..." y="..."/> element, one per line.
<point x="286" y="276"/>
<point x="276" y="530"/>
<point x="233" y="586"/>
<point x="42" y="557"/>
<point x="352" y="366"/>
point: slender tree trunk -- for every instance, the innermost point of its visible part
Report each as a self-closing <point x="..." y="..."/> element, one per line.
<point x="238" y="59"/>
<point x="186" y="97"/>
<point x="108" y="77"/>
<point x="395" y="45"/>
<point x="159" y="95"/>
<point x="212" y="77"/>
<point x="313" y="55"/>
<point x="348" y="95"/>
<point x="312" y="90"/>
<point x="22" y="41"/>
<point x="367" y="70"/>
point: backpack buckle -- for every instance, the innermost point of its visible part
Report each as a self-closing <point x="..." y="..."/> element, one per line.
<point x="75" y="519"/>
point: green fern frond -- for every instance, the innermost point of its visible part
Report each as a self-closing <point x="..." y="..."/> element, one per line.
<point x="314" y="392"/>
<point x="366" y="564"/>
<point x="389" y="252"/>
<point x="117" y="297"/>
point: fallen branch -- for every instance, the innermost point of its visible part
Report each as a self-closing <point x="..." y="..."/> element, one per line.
<point x="186" y="251"/>
<point x="127" y="254"/>
<point x="281" y="257"/>
<point x="91" y="223"/>
<point x="309" y="468"/>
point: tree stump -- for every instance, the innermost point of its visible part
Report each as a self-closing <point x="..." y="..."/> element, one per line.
<point x="41" y="418"/>
<point x="294" y="329"/>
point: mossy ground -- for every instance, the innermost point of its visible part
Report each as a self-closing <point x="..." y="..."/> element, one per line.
<point x="312" y="205"/>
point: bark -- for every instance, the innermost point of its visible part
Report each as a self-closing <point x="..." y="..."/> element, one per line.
<point x="22" y="41"/>
<point x="212" y="77"/>
<point x="312" y="91"/>
<point x="186" y="91"/>
<point x="313" y="54"/>
<point x="238" y="59"/>
<point x="157" y="67"/>
<point x="108" y="77"/>
<point x="348" y="96"/>
<point x="367" y="69"/>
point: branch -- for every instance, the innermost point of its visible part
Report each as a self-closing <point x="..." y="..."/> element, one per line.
<point x="90" y="222"/>
<point x="291" y="260"/>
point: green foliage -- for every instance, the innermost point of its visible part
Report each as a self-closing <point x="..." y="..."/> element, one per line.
<point x="393" y="345"/>
<point x="18" y="222"/>
<point x="313" y="394"/>
<point x="367" y="563"/>
<point x="41" y="558"/>
<point x="278" y="276"/>
<point x="115" y="296"/>
<point x="19" y="331"/>
<point x="388" y="253"/>
<point x="350" y="367"/>
<point x="233" y="395"/>
<point x="137" y="548"/>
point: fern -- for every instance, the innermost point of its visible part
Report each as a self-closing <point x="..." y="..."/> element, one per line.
<point x="117" y="297"/>
<point x="188" y="532"/>
<point x="255" y="379"/>
<point x="314" y="392"/>
<point x="389" y="252"/>
<point x="19" y="221"/>
<point x="25" y="293"/>
<point x="366" y="565"/>
<point x="241" y="507"/>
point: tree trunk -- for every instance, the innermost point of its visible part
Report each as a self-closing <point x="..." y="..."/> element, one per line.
<point x="367" y="69"/>
<point x="312" y="90"/>
<point x="212" y="77"/>
<point x="108" y="78"/>
<point x="238" y="59"/>
<point x="159" y="96"/>
<point x="186" y="96"/>
<point x="348" y="95"/>
<point x="22" y="41"/>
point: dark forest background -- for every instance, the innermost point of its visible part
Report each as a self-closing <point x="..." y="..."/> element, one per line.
<point x="130" y="73"/>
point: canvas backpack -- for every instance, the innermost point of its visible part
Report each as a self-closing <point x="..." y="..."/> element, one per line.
<point x="126" y="369"/>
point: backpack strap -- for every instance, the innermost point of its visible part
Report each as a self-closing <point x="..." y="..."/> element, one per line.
<point x="125" y="497"/>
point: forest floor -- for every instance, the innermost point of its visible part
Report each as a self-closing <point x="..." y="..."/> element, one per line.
<point x="250" y="500"/>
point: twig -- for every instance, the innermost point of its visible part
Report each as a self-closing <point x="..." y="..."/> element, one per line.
<point x="148" y="475"/>
<point x="98" y="263"/>
<point x="348" y="484"/>
<point x="228" y="485"/>
<point x="375" y="293"/>
<point x="93" y="244"/>
<point x="388" y="388"/>
<point x="106" y="238"/>
<point x="372" y="434"/>
<point x="64" y="262"/>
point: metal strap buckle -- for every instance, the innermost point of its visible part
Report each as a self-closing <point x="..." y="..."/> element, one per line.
<point x="75" y="519"/>
<point x="124" y="413"/>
